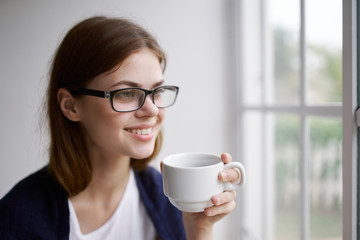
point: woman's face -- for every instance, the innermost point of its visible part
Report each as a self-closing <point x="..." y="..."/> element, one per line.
<point x="132" y="134"/>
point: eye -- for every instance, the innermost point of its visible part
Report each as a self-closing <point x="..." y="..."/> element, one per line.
<point x="126" y="95"/>
<point x="159" y="92"/>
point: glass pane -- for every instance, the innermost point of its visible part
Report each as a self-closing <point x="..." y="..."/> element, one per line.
<point x="287" y="183"/>
<point x="325" y="178"/>
<point x="251" y="66"/>
<point x="324" y="51"/>
<point x="283" y="82"/>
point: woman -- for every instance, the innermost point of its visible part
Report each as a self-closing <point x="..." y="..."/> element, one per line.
<point x="106" y="103"/>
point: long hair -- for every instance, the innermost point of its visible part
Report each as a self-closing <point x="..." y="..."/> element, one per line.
<point x="92" y="47"/>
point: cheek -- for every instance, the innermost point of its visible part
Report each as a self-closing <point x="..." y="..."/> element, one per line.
<point x="160" y="120"/>
<point x="97" y="126"/>
<point x="99" y="120"/>
<point x="161" y="115"/>
<point x="106" y="132"/>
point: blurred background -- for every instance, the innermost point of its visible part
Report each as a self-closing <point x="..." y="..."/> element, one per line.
<point x="260" y="79"/>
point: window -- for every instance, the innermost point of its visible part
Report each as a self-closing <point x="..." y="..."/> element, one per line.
<point x="291" y="116"/>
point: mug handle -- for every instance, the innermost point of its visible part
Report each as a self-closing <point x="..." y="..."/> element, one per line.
<point x="228" y="186"/>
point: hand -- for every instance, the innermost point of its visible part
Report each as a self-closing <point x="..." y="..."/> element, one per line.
<point x="200" y="225"/>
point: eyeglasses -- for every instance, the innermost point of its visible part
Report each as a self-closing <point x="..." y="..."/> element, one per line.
<point x="132" y="99"/>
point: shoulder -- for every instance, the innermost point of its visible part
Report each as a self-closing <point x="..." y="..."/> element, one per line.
<point x="35" y="201"/>
<point x="37" y="188"/>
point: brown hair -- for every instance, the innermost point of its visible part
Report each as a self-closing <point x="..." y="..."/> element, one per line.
<point x="92" y="47"/>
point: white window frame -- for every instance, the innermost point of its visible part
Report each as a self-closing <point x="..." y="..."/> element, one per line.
<point x="346" y="112"/>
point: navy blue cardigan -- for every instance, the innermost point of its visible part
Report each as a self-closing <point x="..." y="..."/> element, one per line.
<point x="37" y="208"/>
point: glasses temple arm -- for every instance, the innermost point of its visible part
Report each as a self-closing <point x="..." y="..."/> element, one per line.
<point x="90" y="92"/>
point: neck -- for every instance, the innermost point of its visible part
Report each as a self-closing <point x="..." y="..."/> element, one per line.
<point x="104" y="192"/>
<point x="109" y="179"/>
<point x="109" y="176"/>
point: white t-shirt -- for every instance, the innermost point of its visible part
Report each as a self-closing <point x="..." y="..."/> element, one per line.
<point x="129" y="221"/>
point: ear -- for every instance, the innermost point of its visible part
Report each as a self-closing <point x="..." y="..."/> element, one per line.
<point x="68" y="105"/>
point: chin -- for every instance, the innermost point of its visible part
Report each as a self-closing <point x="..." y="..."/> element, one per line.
<point x="143" y="153"/>
<point x="143" y="150"/>
<point x="141" y="156"/>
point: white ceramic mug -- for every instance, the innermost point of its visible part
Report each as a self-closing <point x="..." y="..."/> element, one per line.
<point x="191" y="179"/>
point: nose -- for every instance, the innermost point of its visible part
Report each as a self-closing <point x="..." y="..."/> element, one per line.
<point x="148" y="109"/>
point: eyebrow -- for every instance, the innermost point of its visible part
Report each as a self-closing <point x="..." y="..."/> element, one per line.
<point x="135" y="84"/>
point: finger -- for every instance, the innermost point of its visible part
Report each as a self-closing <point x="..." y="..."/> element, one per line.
<point x="226" y="158"/>
<point x="221" y="209"/>
<point x="230" y="175"/>
<point x="224" y="197"/>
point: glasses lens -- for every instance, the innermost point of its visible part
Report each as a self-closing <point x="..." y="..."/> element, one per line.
<point x="165" y="96"/>
<point x="127" y="99"/>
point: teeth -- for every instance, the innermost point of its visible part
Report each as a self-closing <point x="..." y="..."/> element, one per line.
<point x="144" y="131"/>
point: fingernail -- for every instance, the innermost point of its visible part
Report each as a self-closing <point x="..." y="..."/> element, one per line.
<point x="216" y="200"/>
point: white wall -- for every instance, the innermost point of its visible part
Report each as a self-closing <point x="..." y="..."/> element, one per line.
<point x="193" y="33"/>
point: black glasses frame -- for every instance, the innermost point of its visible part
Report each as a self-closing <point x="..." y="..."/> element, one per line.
<point x="110" y="95"/>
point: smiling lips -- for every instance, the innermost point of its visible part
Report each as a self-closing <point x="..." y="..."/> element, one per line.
<point x="143" y="131"/>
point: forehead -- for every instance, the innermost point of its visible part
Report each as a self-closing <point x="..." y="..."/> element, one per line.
<point x="142" y="68"/>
